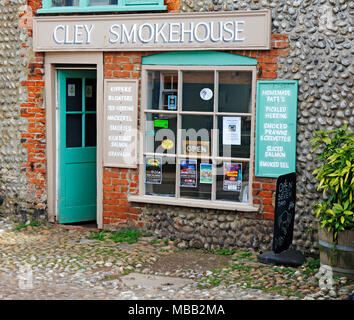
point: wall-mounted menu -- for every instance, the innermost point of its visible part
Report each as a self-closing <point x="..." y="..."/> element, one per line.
<point x="276" y="113"/>
<point x="120" y="123"/>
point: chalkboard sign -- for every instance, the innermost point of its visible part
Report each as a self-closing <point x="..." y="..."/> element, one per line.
<point x="120" y="123"/>
<point x="284" y="213"/>
<point x="276" y="112"/>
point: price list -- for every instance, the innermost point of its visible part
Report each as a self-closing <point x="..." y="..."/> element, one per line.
<point x="120" y="123"/>
<point x="276" y="113"/>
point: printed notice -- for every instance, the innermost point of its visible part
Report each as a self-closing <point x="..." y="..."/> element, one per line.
<point x="232" y="176"/>
<point x="188" y="173"/>
<point x="153" y="170"/>
<point x="206" y="173"/>
<point x="276" y="111"/>
<point x="231" y="130"/>
<point x="120" y="123"/>
<point x="71" y="90"/>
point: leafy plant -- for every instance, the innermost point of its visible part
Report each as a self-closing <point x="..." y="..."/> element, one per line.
<point x="336" y="179"/>
<point x="25" y="225"/>
<point x="225" y="252"/>
<point x="99" y="235"/>
<point x="126" y="235"/>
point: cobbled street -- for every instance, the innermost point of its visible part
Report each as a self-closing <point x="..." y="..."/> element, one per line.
<point x="52" y="262"/>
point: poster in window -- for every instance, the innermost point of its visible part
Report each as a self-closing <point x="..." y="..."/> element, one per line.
<point x="206" y="173"/>
<point x="153" y="170"/>
<point x="88" y="91"/>
<point x="71" y="90"/>
<point x="172" y="102"/>
<point x="232" y="177"/>
<point x="188" y="173"/>
<point x="231" y="131"/>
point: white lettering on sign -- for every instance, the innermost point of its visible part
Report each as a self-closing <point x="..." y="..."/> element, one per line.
<point x="249" y="30"/>
<point x="177" y="32"/>
<point x="76" y="34"/>
<point x="120" y="123"/>
<point x="120" y="98"/>
<point x="121" y="89"/>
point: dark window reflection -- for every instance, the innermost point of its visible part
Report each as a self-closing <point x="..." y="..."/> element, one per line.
<point x="73" y="130"/>
<point x="73" y="94"/>
<point x="90" y="130"/>
<point x="90" y="94"/>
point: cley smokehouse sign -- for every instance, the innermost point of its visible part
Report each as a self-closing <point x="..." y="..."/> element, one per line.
<point x="232" y="30"/>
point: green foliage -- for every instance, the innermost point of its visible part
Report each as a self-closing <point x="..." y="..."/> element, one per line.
<point x="24" y="225"/>
<point x="335" y="178"/>
<point x="99" y="235"/>
<point x="126" y="235"/>
<point x="225" y="252"/>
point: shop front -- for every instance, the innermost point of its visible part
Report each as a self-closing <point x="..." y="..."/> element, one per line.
<point x="151" y="123"/>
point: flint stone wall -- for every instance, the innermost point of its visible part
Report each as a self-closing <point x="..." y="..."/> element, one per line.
<point x="208" y="229"/>
<point x="17" y="197"/>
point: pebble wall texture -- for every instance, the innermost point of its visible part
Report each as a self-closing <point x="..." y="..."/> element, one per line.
<point x="18" y="196"/>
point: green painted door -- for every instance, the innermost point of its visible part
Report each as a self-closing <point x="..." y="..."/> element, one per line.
<point x="77" y="146"/>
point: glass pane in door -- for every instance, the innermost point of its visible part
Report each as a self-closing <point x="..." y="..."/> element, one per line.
<point x="90" y="130"/>
<point x="90" y="94"/>
<point x="73" y="130"/>
<point x="73" y="94"/>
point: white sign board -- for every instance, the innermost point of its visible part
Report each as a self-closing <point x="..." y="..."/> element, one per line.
<point x="236" y="30"/>
<point x="120" y="123"/>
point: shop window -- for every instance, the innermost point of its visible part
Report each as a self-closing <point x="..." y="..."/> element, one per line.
<point x="68" y="6"/>
<point x="198" y="142"/>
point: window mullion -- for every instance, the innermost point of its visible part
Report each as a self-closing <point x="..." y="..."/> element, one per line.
<point x="179" y="133"/>
<point x="215" y="140"/>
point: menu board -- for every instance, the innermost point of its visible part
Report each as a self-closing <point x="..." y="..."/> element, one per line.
<point x="284" y="212"/>
<point x="120" y="123"/>
<point x="276" y="112"/>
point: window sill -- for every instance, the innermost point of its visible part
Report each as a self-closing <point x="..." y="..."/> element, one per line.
<point x="113" y="8"/>
<point x="207" y="204"/>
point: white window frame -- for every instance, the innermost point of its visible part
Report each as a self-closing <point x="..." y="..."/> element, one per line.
<point x="213" y="203"/>
<point x="121" y="6"/>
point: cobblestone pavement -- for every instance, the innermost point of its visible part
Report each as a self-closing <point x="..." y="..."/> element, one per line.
<point x="56" y="262"/>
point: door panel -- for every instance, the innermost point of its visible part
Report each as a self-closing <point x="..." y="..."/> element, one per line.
<point x="77" y="146"/>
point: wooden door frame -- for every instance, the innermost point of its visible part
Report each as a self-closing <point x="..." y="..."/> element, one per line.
<point x="52" y="60"/>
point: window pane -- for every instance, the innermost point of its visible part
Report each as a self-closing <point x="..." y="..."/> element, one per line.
<point x="232" y="181"/>
<point x="73" y="130"/>
<point x="234" y="136"/>
<point x="198" y="91"/>
<point x="90" y="94"/>
<point x="90" y="130"/>
<point x="161" y="133"/>
<point x="160" y="176"/>
<point x="73" y="94"/>
<point x="235" y="88"/>
<point x="195" y="178"/>
<point x="102" y="2"/>
<point x="196" y="135"/>
<point x="65" y="3"/>
<point x="162" y="90"/>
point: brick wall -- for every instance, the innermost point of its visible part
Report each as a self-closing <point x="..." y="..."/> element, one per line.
<point x="33" y="110"/>
<point x="34" y="138"/>
<point x="119" y="182"/>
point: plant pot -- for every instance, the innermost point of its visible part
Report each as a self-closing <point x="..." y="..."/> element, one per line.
<point x="339" y="258"/>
